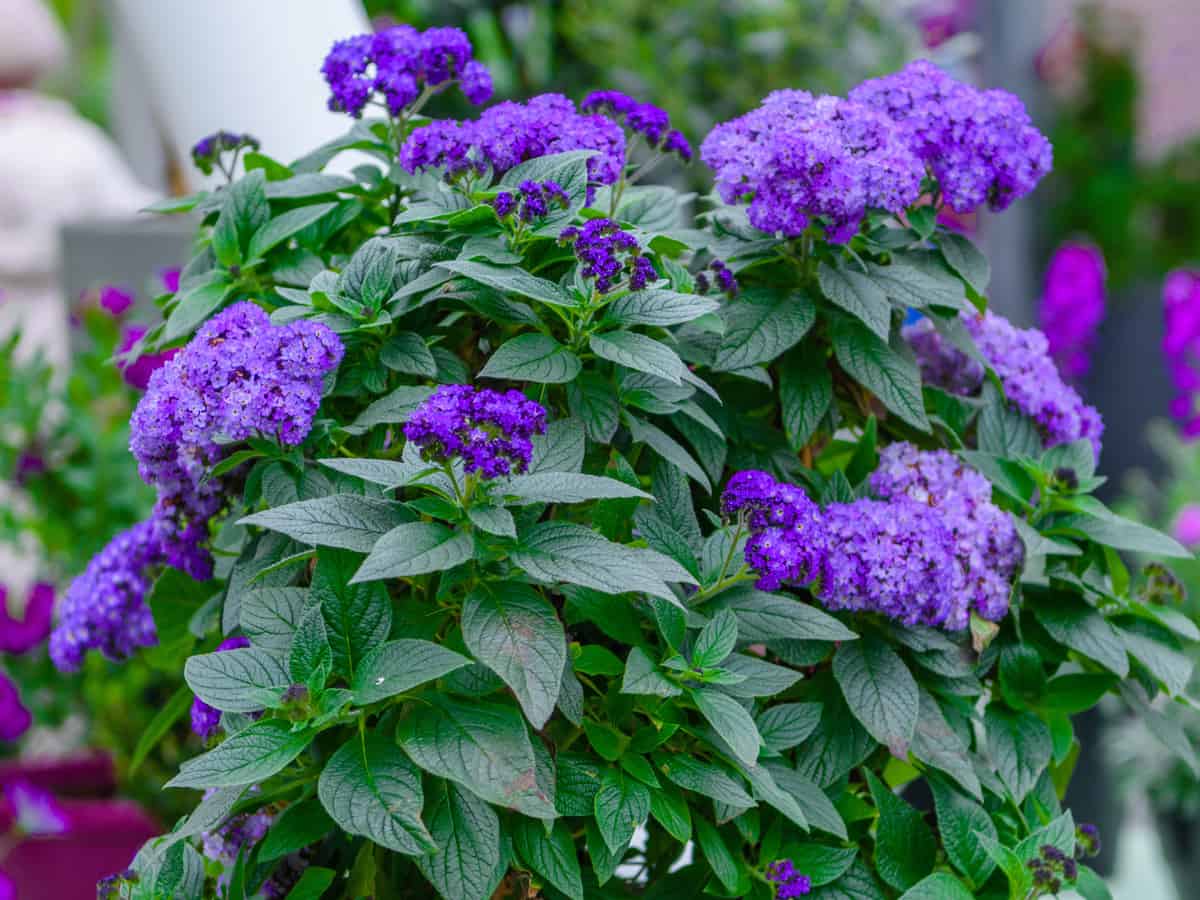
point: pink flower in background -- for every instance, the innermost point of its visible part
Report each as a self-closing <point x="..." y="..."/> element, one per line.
<point x="14" y="717"/>
<point x="940" y="20"/>
<point x="170" y="279"/>
<point x="1181" y="345"/>
<point x="21" y="636"/>
<point x="34" y="810"/>
<point x="137" y="373"/>
<point x="1072" y="306"/>
<point x="1186" y="528"/>
<point x="116" y="298"/>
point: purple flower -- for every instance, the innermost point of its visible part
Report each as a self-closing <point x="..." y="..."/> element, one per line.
<point x="8" y="889"/>
<point x="205" y="719"/>
<point x="511" y="133"/>
<point x="137" y="373"/>
<point x="1021" y="357"/>
<point x="34" y="810"/>
<point x="170" y="279"/>
<point x="116" y="299"/>
<point x="1072" y="306"/>
<point x="1186" y="528"/>
<point x="980" y="145"/>
<point x="488" y="430"/>
<point x="532" y="200"/>
<point x="724" y="277"/>
<point x="788" y="882"/>
<point x="798" y="158"/>
<point x="209" y="150"/>
<point x="1181" y="345"/>
<point x="396" y="64"/>
<point x="14" y="717"/>
<point x="18" y="637"/>
<point x="650" y="121"/>
<point x="607" y="253"/>
<point x="987" y="546"/>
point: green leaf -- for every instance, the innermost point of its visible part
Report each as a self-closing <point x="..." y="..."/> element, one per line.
<point x="716" y="640"/>
<point x="858" y="295"/>
<point x="642" y="676"/>
<point x="514" y="631"/>
<point x="704" y="778"/>
<point x="857" y="884"/>
<point x="311" y="658"/>
<point x="919" y="279"/>
<point x="243" y="680"/>
<point x="481" y="745"/>
<point x="395" y="667"/>
<point x="730" y="720"/>
<point x="960" y="820"/>
<point x="936" y="744"/>
<point x="1072" y="622"/>
<point x="550" y="855"/>
<point x="357" y="617"/>
<point x="670" y="809"/>
<point x="398" y="406"/>
<point x="369" y="788"/>
<point x="1075" y="692"/>
<point x="560" y="449"/>
<point x="784" y="726"/>
<point x="466" y="865"/>
<point x="669" y="449"/>
<point x="1019" y="878"/>
<point x="389" y="473"/>
<point x="312" y="884"/>
<point x="621" y="806"/>
<point x="532" y="357"/>
<point x="346" y="521"/>
<point x="717" y="853"/>
<point x="1106" y="527"/>
<point x="252" y="755"/>
<point x="565" y="487"/>
<point x="160" y="725"/>
<point x="1091" y="886"/>
<point x="879" y="690"/>
<point x="494" y="520"/>
<point x="510" y="280"/>
<point x="820" y="862"/>
<point x="408" y="353"/>
<point x="659" y="307"/>
<point x="594" y="401"/>
<point x="1019" y="747"/>
<point x="967" y="260"/>
<point x="888" y="371"/>
<point x="415" y="549"/>
<point x="284" y="226"/>
<point x="1005" y="432"/>
<point x="761" y="326"/>
<point x="299" y="825"/>
<point x="640" y="353"/>
<point x="763" y="616"/>
<point x="805" y="393"/>
<point x="1155" y="649"/>
<point x="905" y="849"/>
<point x="195" y="303"/>
<point x="938" y="886"/>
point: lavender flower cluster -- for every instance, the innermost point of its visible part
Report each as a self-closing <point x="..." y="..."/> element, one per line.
<point x="511" y="133"/>
<point x="1021" y="358"/>
<point x="980" y="145"/>
<point x="531" y="201"/>
<point x="397" y="64"/>
<point x="933" y="549"/>
<point x="608" y="253"/>
<point x="726" y="281"/>
<point x="650" y="121"/>
<point x="205" y="719"/>
<point x="1181" y="345"/>
<point x="207" y="152"/>
<point x="238" y="835"/>
<point x="1072" y="306"/>
<point x="488" y="430"/>
<point x="788" y="882"/>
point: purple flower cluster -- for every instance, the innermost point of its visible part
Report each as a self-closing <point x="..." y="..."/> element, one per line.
<point x="927" y="553"/>
<point x="1052" y="870"/>
<point x="608" y="252"/>
<point x="1021" y="357"/>
<point x="788" y="882"/>
<point x="799" y="157"/>
<point x="116" y="299"/>
<point x="650" y="121"/>
<point x="397" y="64"/>
<point x="511" y="133"/>
<point x="980" y="145"/>
<point x="987" y="546"/>
<point x="723" y="276"/>
<point x="21" y="636"/>
<point x="531" y="201"/>
<point x="207" y="152"/>
<point x="239" y="376"/>
<point x="1181" y="345"/>
<point x="205" y="719"/>
<point x="104" y="608"/>
<point x="488" y="430"/>
<point x="238" y="835"/>
<point x="1072" y="306"/>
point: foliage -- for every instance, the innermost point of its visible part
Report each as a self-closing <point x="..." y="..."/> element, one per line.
<point x="549" y="682"/>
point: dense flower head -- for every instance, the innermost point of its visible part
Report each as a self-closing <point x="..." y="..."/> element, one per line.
<point x="509" y="133"/>
<point x="397" y="64"/>
<point x="980" y="145"/>
<point x="608" y="253"/>
<point x="206" y="154"/>
<point x="239" y="376"/>
<point x="1181" y="345"/>
<point x="1021" y="358"/>
<point x="104" y="608"/>
<point x="1072" y="306"/>
<point x="490" y="431"/>
<point x="531" y="200"/>
<point x="205" y="719"/>
<point x="651" y="122"/>
<point x="19" y="636"/>
<point x="788" y="882"/>
<point x="987" y="546"/>
<point x="799" y="157"/>
<point x="14" y="717"/>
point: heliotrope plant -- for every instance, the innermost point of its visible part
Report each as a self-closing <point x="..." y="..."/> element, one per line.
<point x="564" y="543"/>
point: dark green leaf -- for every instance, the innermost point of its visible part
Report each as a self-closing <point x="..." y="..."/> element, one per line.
<point x="550" y="855"/>
<point x="346" y="521"/>
<point x="879" y="690"/>
<point x="1073" y="623"/>
<point x="248" y="757"/>
<point x="532" y="357"/>
<point x="243" y="680"/>
<point x="888" y="371"/>
<point x="415" y="549"/>
<point x="357" y="617"/>
<point x="959" y="820"/>
<point x="283" y="226"/>
<point x="621" y="806"/>
<point x="730" y="720"/>
<point x="466" y="831"/>
<point x="511" y="280"/>
<point x="859" y="295"/>
<point x="905" y="849"/>
<point x="1019" y="747"/>
<point x="805" y="393"/>
<point x="761" y="326"/>
<point x="659" y="307"/>
<point x="399" y="666"/>
<point x="640" y="353"/>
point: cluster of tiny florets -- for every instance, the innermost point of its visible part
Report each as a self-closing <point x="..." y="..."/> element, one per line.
<point x="726" y="282"/>
<point x="1021" y="358"/>
<point x="1072" y="306"/>
<point x="531" y="200"/>
<point x="651" y="122"/>
<point x="987" y="546"/>
<point x="608" y="253"/>
<point x="509" y="133"/>
<point x="207" y="152"/>
<point x="980" y="145"/>
<point x="798" y="158"/>
<point x="206" y="719"/>
<point x="1051" y="869"/>
<point x="237" y="836"/>
<point x="397" y="64"/>
<point x="1181" y="345"/>
<point x="788" y="882"/>
<point x="488" y="430"/>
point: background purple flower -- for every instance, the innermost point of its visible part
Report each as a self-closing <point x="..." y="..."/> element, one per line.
<point x="14" y="717"/>
<point x="116" y="299"/>
<point x="1186" y="528"/>
<point x="137" y="373"/>
<point x="21" y="636"/>
<point x="1181" y="345"/>
<point x="1072" y="306"/>
<point x="205" y="719"/>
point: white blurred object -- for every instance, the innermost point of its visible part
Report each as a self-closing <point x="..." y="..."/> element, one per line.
<point x="244" y="67"/>
<point x="31" y="42"/>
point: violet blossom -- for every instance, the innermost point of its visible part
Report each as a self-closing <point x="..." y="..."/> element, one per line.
<point x="1072" y="306"/>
